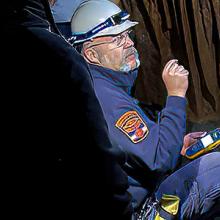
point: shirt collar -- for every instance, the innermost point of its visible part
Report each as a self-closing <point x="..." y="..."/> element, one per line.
<point x="125" y="80"/>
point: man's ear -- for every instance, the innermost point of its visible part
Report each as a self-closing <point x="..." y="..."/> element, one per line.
<point x="91" y="55"/>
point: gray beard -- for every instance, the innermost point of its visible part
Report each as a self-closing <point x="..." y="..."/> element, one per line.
<point x="127" y="68"/>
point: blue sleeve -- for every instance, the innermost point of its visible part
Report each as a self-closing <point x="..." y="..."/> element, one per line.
<point x="160" y="149"/>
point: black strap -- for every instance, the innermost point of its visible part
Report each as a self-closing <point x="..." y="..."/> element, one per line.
<point x="166" y="215"/>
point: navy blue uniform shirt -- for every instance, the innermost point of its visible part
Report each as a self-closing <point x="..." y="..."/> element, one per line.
<point x="153" y="149"/>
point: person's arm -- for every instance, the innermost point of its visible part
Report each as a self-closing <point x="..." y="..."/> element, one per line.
<point x="159" y="144"/>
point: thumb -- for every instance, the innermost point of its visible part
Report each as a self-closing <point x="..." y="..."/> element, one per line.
<point x="198" y="134"/>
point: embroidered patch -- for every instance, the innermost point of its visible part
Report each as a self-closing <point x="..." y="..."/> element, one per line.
<point x="133" y="126"/>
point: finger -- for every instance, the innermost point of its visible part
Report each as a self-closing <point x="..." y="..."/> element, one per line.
<point x="168" y="65"/>
<point x="183" y="152"/>
<point x="182" y="73"/>
<point x="198" y="134"/>
<point x="204" y="133"/>
<point x="180" y="68"/>
<point x="173" y="69"/>
<point x="173" y="66"/>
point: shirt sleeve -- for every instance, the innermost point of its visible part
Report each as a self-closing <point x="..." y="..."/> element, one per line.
<point x="158" y="145"/>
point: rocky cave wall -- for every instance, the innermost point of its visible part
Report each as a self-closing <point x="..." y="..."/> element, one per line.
<point x="190" y="32"/>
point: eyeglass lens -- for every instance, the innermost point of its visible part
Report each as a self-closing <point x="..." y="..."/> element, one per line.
<point x="121" y="39"/>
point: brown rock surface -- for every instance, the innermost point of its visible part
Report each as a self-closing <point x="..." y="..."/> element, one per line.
<point x="190" y="32"/>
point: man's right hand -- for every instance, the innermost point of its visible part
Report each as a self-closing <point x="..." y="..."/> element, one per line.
<point x="175" y="78"/>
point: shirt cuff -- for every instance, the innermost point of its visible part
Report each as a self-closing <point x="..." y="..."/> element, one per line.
<point x="176" y="102"/>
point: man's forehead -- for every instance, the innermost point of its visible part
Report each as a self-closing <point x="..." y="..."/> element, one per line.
<point x="104" y="37"/>
<point x="109" y="36"/>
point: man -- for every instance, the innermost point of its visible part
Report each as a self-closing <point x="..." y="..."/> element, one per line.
<point x="101" y="31"/>
<point x="59" y="161"/>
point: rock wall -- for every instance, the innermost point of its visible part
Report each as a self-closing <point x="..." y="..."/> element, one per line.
<point x="186" y="30"/>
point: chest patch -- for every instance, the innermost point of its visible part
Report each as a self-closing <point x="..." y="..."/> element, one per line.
<point x="131" y="124"/>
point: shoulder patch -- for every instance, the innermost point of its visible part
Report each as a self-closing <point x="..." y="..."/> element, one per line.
<point x="131" y="124"/>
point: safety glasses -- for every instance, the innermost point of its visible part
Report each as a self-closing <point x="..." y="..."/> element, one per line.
<point x="118" y="40"/>
<point x="111" y="21"/>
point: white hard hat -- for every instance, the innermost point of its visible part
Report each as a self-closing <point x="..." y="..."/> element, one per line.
<point x="96" y="18"/>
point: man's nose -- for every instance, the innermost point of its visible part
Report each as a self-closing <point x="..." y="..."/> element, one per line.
<point x="128" y="42"/>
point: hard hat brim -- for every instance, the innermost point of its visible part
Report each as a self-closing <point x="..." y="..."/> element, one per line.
<point x="117" y="29"/>
<point x="113" y="30"/>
